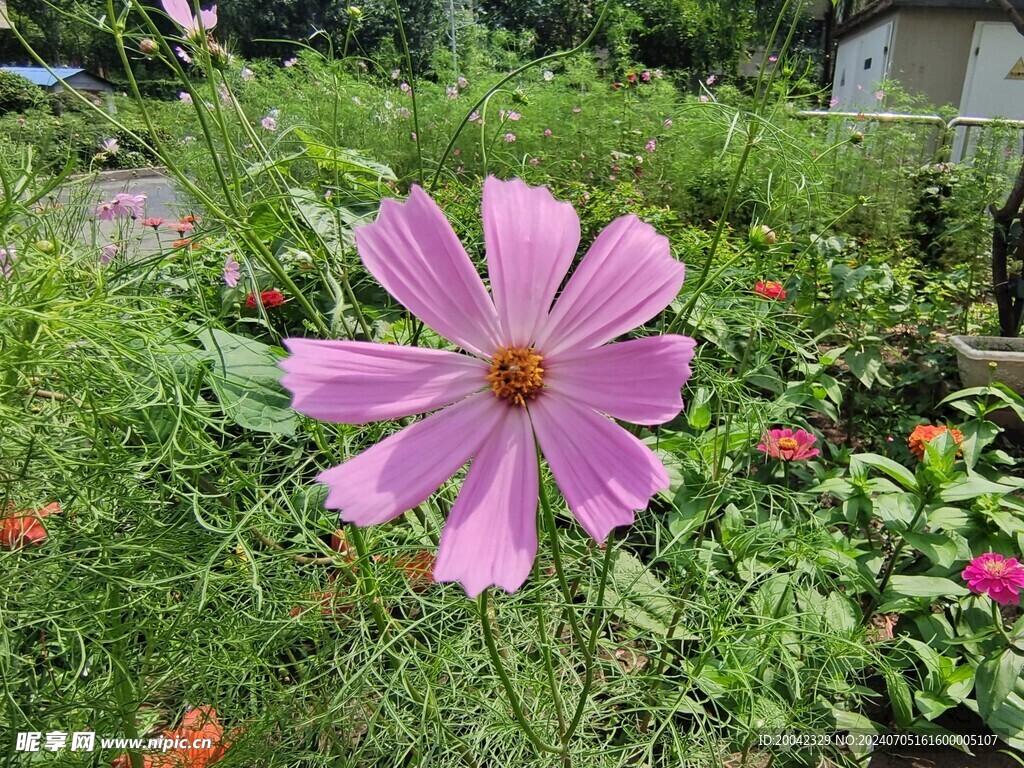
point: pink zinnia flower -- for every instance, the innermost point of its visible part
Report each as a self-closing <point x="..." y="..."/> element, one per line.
<point x="232" y="272"/>
<point x="155" y="222"/>
<point x="788" y="445"/>
<point x="180" y="12"/>
<point x="990" y="574"/>
<point x="538" y="372"/>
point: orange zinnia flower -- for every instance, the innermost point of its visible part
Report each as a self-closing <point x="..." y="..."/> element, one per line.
<point x="198" y="725"/>
<point x="26" y="527"/>
<point x="925" y="433"/>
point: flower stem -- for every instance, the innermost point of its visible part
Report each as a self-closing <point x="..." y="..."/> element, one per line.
<point x="997" y="618"/>
<point x="510" y="692"/>
<point x="556" y="555"/>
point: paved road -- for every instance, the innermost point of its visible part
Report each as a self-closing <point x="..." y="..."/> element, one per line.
<point x="162" y="201"/>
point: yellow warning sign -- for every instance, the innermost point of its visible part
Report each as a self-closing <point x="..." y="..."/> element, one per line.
<point x="1017" y="71"/>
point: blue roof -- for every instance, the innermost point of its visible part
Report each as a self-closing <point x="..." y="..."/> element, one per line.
<point x="41" y="76"/>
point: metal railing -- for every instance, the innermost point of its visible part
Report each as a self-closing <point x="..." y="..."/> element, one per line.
<point x="944" y="130"/>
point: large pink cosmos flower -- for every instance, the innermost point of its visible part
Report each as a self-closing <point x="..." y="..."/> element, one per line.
<point x="539" y="373"/>
<point x="181" y="14"/>
<point x="1001" y="579"/>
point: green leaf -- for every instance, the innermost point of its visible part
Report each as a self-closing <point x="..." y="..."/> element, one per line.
<point x="896" y="471"/>
<point x="994" y="678"/>
<point x="971" y="487"/>
<point x="637" y="596"/>
<point x="937" y="547"/>
<point x="344" y="160"/>
<point x="924" y="586"/>
<point x="900" y="697"/>
<point x="244" y="374"/>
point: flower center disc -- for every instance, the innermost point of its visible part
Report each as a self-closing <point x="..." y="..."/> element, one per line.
<point x="787" y="443"/>
<point x="995" y="569"/>
<point x="516" y="374"/>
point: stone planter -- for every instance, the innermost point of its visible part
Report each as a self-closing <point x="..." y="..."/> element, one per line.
<point x="975" y="355"/>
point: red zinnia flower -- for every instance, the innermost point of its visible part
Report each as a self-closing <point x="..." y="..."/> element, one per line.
<point x="269" y="299"/>
<point x="990" y="574"/>
<point x="925" y="433"/>
<point x="26" y="527"/>
<point x="770" y="290"/>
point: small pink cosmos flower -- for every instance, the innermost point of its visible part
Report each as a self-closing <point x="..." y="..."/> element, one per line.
<point x="514" y="116"/>
<point x="111" y="146"/>
<point x="180" y="12"/>
<point x="404" y="87"/>
<point x="452" y="91"/>
<point x="291" y="62"/>
<point x="109" y="252"/>
<point x="711" y="79"/>
<point x="788" y="445"/>
<point x="248" y="75"/>
<point x="990" y="574"/>
<point x="269" y="123"/>
<point x="704" y="98"/>
<point x="773" y="59"/>
<point x="668" y="122"/>
<point x="7" y="257"/>
<point x="534" y="161"/>
<point x="879" y="95"/>
<point x="651" y="145"/>
<point x="547" y="132"/>
<point x="536" y="372"/>
<point x="646" y="76"/>
<point x="833" y="102"/>
<point x="185" y="97"/>
<point x="509" y="138"/>
<point x="232" y="271"/>
<point x="462" y="82"/>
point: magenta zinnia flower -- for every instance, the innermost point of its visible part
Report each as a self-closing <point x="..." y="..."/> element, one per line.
<point x="990" y="574"/>
<point x="538" y="373"/>
<point x="789" y="445"/>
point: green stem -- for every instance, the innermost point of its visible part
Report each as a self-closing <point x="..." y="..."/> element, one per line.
<point x="556" y="554"/>
<point x="997" y="619"/>
<point x="595" y="627"/>
<point x="890" y="566"/>
<point x="412" y="89"/>
<point x="513" y="698"/>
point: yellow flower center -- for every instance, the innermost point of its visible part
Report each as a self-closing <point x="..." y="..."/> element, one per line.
<point x="995" y="568"/>
<point x="787" y="443"/>
<point x="516" y="374"/>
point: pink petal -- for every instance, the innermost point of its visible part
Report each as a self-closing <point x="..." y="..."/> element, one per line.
<point x="395" y="475"/>
<point x="627" y="277"/>
<point x="531" y="240"/>
<point x="209" y="18"/>
<point x="414" y="253"/>
<point x="636" y="380"/>
<point x="353" y="382"/>
<point x="490" y="536"/>
<point x="181" y="13"/>
<point x="603" y="471"/>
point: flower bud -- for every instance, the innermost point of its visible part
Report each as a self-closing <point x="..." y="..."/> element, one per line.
<point x="148" y="46"/>
<point x="355" y="12"/>
<point x="762" y="236"/>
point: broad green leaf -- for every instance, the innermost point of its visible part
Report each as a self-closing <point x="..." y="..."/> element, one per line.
<point x="937" y="547"/>
<point x="634" y="594"/>
<point x="244" y="374"/>
<point x="896" y="471"/>
<point x="924" y="586"/>
<point x="968" y="488"/>
<point x="995" y="678"/>
<point x="344" y="160"/>
<point x="900" y="697"/>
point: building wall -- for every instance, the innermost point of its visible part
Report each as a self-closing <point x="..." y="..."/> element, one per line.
<point x="862" y="60"/>
<point x="931" y="49"/>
